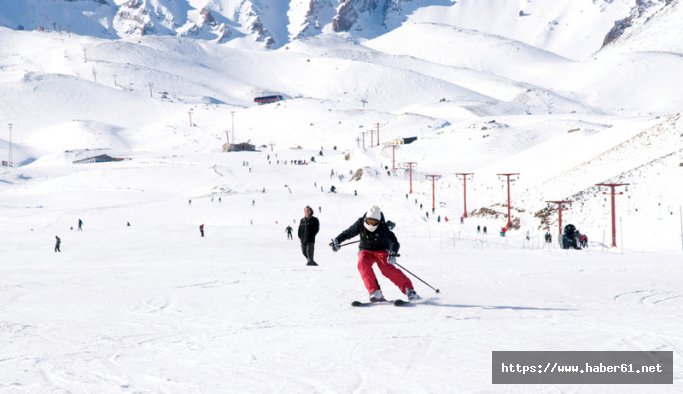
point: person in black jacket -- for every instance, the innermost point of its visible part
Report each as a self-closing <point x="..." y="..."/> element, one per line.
<point x="308" y="228"/>
<point x="378" y="244"/>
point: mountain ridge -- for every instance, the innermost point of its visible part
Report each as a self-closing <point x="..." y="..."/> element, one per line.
<point x="277" y="23"/>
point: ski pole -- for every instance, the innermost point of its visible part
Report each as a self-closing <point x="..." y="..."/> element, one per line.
<point x="418" y="278"/>
<point x="348" y="243"/>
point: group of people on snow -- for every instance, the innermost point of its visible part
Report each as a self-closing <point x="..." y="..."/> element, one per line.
<point x="377" y="245"/>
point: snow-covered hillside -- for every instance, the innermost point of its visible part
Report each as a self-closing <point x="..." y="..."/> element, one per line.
<point x="570" y="28"/>
<point x="155" y="307"/>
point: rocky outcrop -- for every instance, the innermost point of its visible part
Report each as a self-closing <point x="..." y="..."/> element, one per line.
<point x="640" y="14"/>
<point x="350" y="10"/>
<point x="318" y="14"/>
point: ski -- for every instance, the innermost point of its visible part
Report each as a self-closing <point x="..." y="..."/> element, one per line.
<point x="361" y="303"/>
<point x="394" y="302"/>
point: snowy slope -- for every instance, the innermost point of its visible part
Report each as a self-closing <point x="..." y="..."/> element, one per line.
<point x="155" y="307"/>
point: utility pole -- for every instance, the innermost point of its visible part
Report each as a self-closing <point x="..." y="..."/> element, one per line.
<point x="377" y="124"/>
<point x="232" y="114"/>
<point x="190" y="114"/>
<point x="85" y="55"/>
<point x="358" y="141"/>
<point x="434" y="178"/>
<point x="9" y="158"/>
<point x="363" y="134"/>
<point x="150" y="90"/>
<point x="393" y="156"/>
<point x="464" y="176"/>
<point x="372" y="137"/>
<point x="410" y="165"/>
<point x="508" y="175"/>
<point x="612" y="193"/>
<point x="560" y="207"/>
<point x="94" y="75"/>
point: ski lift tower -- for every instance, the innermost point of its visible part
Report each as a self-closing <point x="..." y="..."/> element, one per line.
<point x="508" y="175"/>
<point x="434" y="178"/>
<point x="410" y="165"/>
<point x="560" y="207"/>
<point x="612" y="193"/>
<point x="393" y="147"/>
<point x="464" y="176"/>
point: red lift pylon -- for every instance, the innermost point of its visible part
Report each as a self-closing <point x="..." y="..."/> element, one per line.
<point x="508" y="175"/>
<point x="560" y="206"/>
<point x="464" y="186"/>
<point x="410" y="165"/>
<point x="434" y="178"/>
<point x="612" y="193"/>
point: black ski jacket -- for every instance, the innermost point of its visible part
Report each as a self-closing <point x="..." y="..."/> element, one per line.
<point x="380" y="239"/>
<point x="308" y="229"/>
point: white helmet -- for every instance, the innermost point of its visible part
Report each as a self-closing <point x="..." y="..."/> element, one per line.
<point x="373" y="213"/>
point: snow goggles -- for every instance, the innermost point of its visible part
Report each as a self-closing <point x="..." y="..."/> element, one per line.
<point x="371" y="221"/>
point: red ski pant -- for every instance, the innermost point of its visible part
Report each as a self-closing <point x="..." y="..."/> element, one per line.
<point x="366" y="258"/>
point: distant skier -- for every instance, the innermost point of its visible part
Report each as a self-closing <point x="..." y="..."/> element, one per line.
<point x="308" y="228"/>
<point x="201" y="229"/>
<point x="288" y="230"/>
<point x="80" y="225"/>
<point x="478" y="229"/>
<point x="484" y="230"/>
<point x="378" y="245"/>
<point x="58" y="243"/>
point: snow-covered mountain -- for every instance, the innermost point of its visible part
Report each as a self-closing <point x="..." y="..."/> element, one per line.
<point x="573" y="28"/>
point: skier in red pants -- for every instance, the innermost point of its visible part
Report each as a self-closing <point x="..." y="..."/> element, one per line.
<point x="378" y="244"/>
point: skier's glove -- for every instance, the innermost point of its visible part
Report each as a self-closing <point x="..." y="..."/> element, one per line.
<point x="335" y="245"/>
<point x="392" y="258"/>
